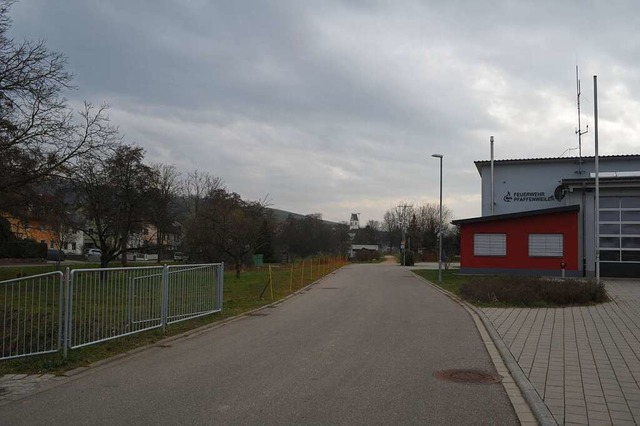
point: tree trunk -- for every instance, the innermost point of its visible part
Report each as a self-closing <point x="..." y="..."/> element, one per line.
<point x="160" y="247"/>
<point x="123" y="252"/>
<point x="238" y="269"/>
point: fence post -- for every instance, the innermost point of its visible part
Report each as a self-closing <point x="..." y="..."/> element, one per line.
<point x="302" y="275"/>
<point x="67" y="313"/>
<point x="220" y="285"/>
<point x="130" y="303"/>
<point x="165" y="297"/>
<point x="270" y="283"/>
<point x="291" y="280"/>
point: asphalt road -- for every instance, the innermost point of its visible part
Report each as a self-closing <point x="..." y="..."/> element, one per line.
<point x="360" y="347"/>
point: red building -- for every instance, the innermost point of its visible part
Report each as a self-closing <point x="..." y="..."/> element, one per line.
<point x="536" y="242"/>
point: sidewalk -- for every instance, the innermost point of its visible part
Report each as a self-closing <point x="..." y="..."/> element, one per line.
<point x="584" y="362"/>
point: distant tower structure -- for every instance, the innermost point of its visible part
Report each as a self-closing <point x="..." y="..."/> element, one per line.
<point x="354" y="223"/>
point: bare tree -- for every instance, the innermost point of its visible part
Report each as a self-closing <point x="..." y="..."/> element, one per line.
<point x="198" y="190"/>
<point x="237" y="226"/>
<point x="113" y="195"/>
<point x="395" y="221"/>
<point x="370" y="234"/>
<point x="310" y="235"/>
<point x="164" y="190"/>
<point x="428" y="223"/>
<point x="38" y="135"/>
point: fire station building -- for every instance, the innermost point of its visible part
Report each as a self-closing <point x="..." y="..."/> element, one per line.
<point x="538" y="217"/>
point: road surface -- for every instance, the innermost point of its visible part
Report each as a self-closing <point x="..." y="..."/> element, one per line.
<point x="360" y="347"/>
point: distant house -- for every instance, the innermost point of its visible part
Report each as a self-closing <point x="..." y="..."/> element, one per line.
<point x="355" y="248"/>
<point x="38" y="231"/>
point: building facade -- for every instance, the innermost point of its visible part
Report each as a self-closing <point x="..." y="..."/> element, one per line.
<point x="539" y="216"/>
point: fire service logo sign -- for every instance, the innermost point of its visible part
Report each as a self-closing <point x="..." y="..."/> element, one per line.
<point x="528" y="197"/>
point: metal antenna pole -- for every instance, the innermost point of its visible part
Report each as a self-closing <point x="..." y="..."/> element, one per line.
<point x="579" y="131"/>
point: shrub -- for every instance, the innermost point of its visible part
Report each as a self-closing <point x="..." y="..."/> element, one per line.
<point x="365" y="255"/>
<point x="23" y="249"/>
<point x="409" y="258"/>
<point x="532" y="291"/>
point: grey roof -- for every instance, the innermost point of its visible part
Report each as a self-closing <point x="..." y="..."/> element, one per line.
<point x="574" y="207"/>
<point x="480" y="163"/>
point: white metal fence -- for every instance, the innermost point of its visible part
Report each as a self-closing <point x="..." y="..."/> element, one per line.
<point x="42" y="315"/>
<point x="31" y="311"/>
<point x="189" y="293"/>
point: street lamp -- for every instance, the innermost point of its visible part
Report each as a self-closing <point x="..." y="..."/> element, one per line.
<point x="440" y="156"/>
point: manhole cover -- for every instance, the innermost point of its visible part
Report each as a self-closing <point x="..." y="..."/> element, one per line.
<point x="467" y="376"/>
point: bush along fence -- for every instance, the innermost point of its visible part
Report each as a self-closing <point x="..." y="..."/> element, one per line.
<point x="51" y="312"/>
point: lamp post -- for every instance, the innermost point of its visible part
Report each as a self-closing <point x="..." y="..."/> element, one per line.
<point x="597" y="198"/>
<point x="440" y="156"/>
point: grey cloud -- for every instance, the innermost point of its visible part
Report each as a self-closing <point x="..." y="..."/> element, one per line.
<point x="334" y="105"/>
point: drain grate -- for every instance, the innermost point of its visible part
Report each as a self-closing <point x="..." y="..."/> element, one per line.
<point x="467" y="376"/>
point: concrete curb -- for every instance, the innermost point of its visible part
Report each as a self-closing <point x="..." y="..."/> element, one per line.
<point x="538" y="408"/>
<point x="537" y="405"/>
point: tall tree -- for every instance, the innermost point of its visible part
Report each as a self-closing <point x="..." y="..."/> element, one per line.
<point x="370" y="234"/>
<point x="113" y="194"/>
<point x="428" y="223"/>
<point x="311" y="235"/>
<point x="38" y="135"/>
<point x="198" y="191"/>
<point x="264" y="245"/>
<point x="396" y="221"/>
<point x="237" y="226"/>
<point x="163" y="198"/>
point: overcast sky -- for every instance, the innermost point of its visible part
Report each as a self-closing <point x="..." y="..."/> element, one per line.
<point x="336" y="106"/>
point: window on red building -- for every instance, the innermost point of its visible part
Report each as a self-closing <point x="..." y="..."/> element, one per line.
<point x="490" y="245"/>
<point x="546" y="245"/>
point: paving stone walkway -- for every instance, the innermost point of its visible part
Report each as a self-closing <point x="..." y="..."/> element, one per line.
<point x="584" y="362"/>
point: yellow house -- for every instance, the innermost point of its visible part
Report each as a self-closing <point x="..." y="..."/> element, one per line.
<point x="37" y="230"/>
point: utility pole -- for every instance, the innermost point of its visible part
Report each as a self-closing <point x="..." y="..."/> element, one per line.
<point x="440" y="226"/>
<point x="404" y="243"/>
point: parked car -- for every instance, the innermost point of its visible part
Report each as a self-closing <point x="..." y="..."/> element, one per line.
<point x="93" y="254"/>
<point x="56" y="255"/>
<point x="180" y="257"/>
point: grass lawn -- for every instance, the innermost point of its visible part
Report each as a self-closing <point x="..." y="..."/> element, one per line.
<point x="239" y="296"/>
<point x="451" y="281"/>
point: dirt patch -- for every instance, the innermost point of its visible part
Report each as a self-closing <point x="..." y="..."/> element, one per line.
<point x="389" y="260"/>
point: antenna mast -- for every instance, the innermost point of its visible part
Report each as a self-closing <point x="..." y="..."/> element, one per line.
<point x="579" y="131"/>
